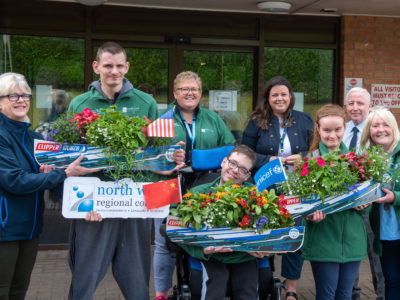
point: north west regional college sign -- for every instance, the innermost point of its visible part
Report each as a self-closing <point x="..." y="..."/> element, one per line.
<point x="387" y="95"/>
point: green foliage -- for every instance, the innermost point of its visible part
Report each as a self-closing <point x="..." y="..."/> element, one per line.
<point x="335" y="174"/>
<point x="49" y="60"/>
<point x="309" y="71"/>
<point x="64" y="130"/>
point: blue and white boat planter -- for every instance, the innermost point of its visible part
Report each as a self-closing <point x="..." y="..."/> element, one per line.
<point x="61" y="155"/>
<point x="364" y="193"/>
<point x="273" y="241"/>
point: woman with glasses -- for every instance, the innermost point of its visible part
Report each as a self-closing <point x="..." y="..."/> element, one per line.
<point x="22" y="183"/>
<point x="381" y="129"/>
<point x="274" y="131"/>
<point x="198" y="128"/>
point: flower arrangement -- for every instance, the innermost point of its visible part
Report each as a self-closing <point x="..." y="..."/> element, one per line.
<point x="122" y="136"/>
<point x="335" y="173"/>
<point x="232" y="205"/>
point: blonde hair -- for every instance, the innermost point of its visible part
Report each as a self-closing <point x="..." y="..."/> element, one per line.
<point x="188" y="75"/>
<point x="386" y="115"/>
<point x="9" y="81"/>
<point x="325" y="111"/>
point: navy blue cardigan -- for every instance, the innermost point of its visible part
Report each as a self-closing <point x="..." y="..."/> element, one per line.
<point x="266" y="142"/>
<point x="21" y="184"/>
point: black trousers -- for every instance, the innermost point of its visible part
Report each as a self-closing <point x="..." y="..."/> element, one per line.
<point x="243" y="277"/>
<point x="17" y="259"/>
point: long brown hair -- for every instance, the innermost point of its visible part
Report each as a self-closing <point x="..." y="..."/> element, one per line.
<point x="263" y="113"/>
<point x="325" y="111"/>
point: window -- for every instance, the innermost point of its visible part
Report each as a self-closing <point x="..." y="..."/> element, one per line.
<point x="310" y="72"/>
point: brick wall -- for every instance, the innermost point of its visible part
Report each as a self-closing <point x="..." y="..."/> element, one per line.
<point x="371" y="50"/>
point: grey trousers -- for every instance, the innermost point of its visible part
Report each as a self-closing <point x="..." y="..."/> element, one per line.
<point x="375" y="265"/>
<point x="125" y="243"/>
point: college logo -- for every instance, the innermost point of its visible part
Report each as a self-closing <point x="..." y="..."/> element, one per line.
<point x="53" y="147"/>
<point x="83" y="203"/>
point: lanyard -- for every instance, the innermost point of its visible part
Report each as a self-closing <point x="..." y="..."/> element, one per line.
<point x="284" y="133"/>
<point x="191" y="133"/>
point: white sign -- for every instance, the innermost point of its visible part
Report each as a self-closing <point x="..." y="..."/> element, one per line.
<point x="385" y="94"/>
<point x="223" y="100"/>
<point x="349" y="83"/>
<point x="123" y="199"/>
<point x="299" y="101"/>
<point x="43" y="96"/>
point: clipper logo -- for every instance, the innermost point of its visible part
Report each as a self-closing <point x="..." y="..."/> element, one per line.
<point x="291" y="200"/>
<point x="54" y="147"/>
<point x="174" y="222"/>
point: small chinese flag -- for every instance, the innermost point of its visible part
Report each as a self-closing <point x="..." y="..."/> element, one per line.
<point x="162" y="193"/>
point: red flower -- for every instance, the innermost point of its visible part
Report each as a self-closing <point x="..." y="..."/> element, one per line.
<point x="243" y="203"/>
<point x="304" y="172"/>
<point x="281" y="197"/>
<point x="320" y="162"/>
<point x="245" y="221"/>
<point x="305" y="165"/>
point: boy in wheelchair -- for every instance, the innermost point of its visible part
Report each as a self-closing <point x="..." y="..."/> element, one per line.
<point x="220" y="265"/>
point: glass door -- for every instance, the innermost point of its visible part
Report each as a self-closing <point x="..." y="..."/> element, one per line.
<point x="227" y="78"/>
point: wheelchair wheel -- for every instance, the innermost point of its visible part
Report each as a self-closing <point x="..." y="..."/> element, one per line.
<point x="277" y="289"/>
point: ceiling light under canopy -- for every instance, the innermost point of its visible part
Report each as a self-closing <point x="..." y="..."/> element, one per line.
<point x="274" y="6"/>
<point x="91" y="2"/>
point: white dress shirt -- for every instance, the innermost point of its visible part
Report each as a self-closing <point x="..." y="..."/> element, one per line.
<point x="348" y="133"/>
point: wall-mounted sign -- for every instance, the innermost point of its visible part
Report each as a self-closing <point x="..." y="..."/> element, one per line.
<point x="299" y="101"/>
<point x="350" y="83"/>
<point x="387" y="95"/>
<point x="223" y="100"/>
<point x="43" y="96"/>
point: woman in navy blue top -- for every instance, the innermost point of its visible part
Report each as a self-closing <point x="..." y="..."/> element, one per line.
<point x="22" y="183"/>
<point x="274" y="131"/>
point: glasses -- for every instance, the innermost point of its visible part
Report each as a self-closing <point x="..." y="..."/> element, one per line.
<point x="233" y="165"/>
<point x="16" y="97"/>
<point x="186" y="91"/>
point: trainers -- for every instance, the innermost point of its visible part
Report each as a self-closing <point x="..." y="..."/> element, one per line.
<point x="161" y="297"/>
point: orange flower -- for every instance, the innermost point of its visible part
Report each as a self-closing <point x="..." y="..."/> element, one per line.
<point x="219" y="195"/>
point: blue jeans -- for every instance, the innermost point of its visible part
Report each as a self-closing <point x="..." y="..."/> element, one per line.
<point x="163" y="261"/>
<point x="390" y="261"/>
<point x="334" y="281"/>
<point x="292" y="263"/>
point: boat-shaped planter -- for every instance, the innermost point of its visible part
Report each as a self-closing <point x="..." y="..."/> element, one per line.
<point x="273" y="241"/>
<point x="61" y="155"/>
<point x="364" y="193"/>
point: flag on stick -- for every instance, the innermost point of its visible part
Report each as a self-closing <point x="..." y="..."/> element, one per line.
<point x="163" y="126"/>
<point x="162" y="193"/>
<point x="271" y="173"/>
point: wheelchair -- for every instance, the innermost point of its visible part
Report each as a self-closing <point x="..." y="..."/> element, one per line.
<point x="189" y="276"/>
<point x="188" y="269"/>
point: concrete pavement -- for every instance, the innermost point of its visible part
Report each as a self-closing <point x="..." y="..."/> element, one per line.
<point x="51" y="278"/>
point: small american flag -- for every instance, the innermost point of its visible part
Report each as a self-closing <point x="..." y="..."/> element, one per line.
<point x="163" y="126"/>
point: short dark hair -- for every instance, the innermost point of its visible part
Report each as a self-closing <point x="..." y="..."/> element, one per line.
<point x="245" y="150"/>
<point x="263" y="113"/>
<point x="110" y="47"/>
